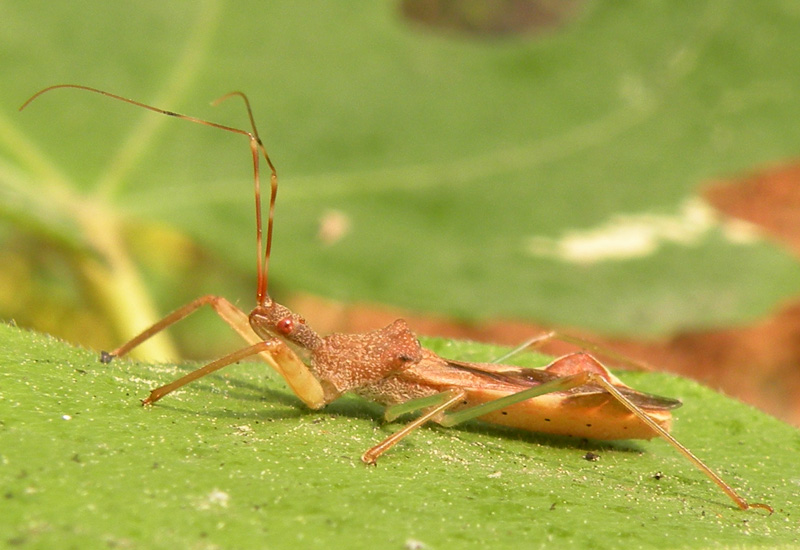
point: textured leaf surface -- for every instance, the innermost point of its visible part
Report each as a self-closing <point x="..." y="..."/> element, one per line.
<point x="234" y="461"/>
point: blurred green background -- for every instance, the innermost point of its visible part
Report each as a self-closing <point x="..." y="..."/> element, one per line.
<point x="434" y="169"/>
<point x="542" y="168"/>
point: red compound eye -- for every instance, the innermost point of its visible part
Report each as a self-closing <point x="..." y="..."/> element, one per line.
<point x="285" y="326"/>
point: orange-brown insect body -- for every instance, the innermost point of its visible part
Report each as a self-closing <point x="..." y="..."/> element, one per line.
<point x="390" y="367"/>
<point x="587" y="412"/>
<point x="574" y="395"/>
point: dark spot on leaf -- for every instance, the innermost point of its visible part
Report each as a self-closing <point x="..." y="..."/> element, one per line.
<point x="493" y="18"/>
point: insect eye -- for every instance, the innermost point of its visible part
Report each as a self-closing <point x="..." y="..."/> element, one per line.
<point x="285" y="326"/>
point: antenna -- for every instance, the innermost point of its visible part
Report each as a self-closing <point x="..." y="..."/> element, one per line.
<point x="256" y="146"/>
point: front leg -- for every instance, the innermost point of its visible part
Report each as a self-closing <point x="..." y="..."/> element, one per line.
<point x="276" y="354"/>
<point x="288" y="364"/>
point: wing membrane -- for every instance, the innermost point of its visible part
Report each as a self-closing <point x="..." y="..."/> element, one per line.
<point x="523" y="378"/>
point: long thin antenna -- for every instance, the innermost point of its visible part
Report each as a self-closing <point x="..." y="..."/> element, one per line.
<point x="262" y="298"/>
<point x="256" y="146"/>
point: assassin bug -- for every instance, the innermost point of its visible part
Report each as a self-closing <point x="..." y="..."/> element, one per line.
<point x="574" y="395"/>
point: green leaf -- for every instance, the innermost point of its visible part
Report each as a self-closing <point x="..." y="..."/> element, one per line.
<point x="235" y="461"/>
<point x="462" y="166"/>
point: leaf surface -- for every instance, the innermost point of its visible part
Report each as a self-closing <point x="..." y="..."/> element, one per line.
<point x="235" y="461"/>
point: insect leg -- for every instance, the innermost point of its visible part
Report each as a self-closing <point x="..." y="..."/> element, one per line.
<point x="586" y="345"/>
<point x="282" y="359"/>
<point x="740" y="501"/>
<point x="559" y="384"/>
<point x="412" y="405"/>
<point x="580" y="379"/>
<point x="446" y="400"/>
<point x="276" y="350"/>
<point x="229" y="313"/>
